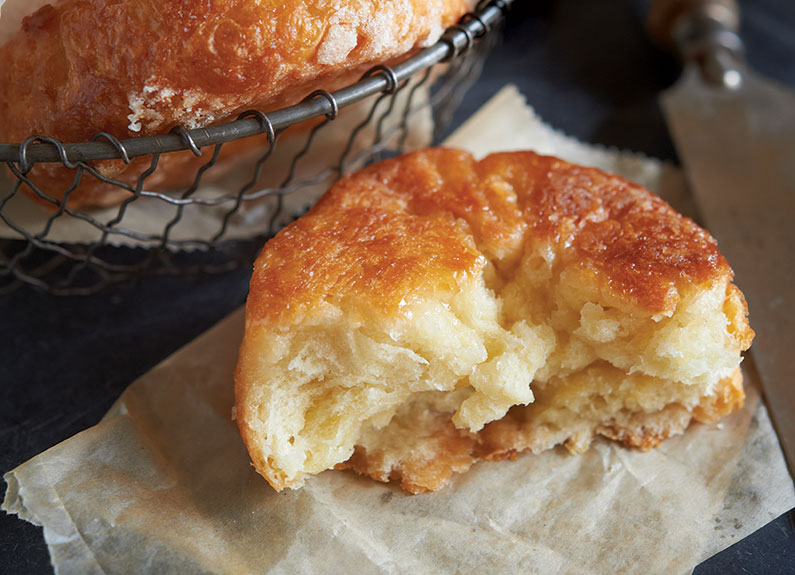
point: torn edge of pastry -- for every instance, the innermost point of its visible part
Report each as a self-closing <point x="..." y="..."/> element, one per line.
<point x="433" y="310"/>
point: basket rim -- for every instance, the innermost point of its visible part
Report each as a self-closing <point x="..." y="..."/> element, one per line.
<point x="456" y="40"/>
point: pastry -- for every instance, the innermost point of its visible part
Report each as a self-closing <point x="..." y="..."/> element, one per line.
<point x="140" y="67"/>
<point x="432" y="310"/>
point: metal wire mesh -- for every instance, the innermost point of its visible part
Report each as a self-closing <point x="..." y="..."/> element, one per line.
<point x="213" y="228"/>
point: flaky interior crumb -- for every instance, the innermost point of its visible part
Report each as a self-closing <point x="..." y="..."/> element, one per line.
<point x="432" y="309"/>
<point x="517" y="330"/>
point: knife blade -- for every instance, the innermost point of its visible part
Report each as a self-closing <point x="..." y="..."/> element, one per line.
<point x="734" y="132"/>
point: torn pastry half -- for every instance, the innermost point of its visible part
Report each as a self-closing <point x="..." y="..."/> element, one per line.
<point x="433" y="310"/>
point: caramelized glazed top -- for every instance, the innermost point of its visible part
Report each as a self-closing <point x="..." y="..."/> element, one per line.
<point x="143" y="66"/>
<point x="428" y="220"/>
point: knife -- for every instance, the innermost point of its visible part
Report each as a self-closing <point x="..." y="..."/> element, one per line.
<point x="735" y="135"/>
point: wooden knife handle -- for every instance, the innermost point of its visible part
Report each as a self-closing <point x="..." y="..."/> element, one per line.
<point x="703" y="32"/>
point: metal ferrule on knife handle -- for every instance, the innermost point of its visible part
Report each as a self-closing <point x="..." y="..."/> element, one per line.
<point x="704" y="32"/>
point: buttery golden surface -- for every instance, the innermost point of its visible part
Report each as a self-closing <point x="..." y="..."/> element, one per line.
<point x="403" y="226"/>
<point x="433" y="310"/>
<point x="141" y="67"/>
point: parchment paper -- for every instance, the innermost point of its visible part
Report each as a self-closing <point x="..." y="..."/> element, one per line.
<point x="163" y="484"/>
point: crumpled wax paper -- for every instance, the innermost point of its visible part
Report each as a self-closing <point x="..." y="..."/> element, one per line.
<point x="163" y="484"/>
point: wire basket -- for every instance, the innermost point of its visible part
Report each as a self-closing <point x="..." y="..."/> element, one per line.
<point x="210" y="227"/>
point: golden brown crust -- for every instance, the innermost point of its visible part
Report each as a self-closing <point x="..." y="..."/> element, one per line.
<point x="728" y="398"/>
<point x="453" y="450"/>
<point x="141" y="67"/>
<point x="431" y="225"/>
<point x="620" y="234"/>
<point x="736" y="310"/>
<point x="421" y="221"/>
<point x="379" y="258"/>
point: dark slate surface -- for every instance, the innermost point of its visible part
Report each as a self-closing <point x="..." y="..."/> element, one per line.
<point x="588" y="70"/>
